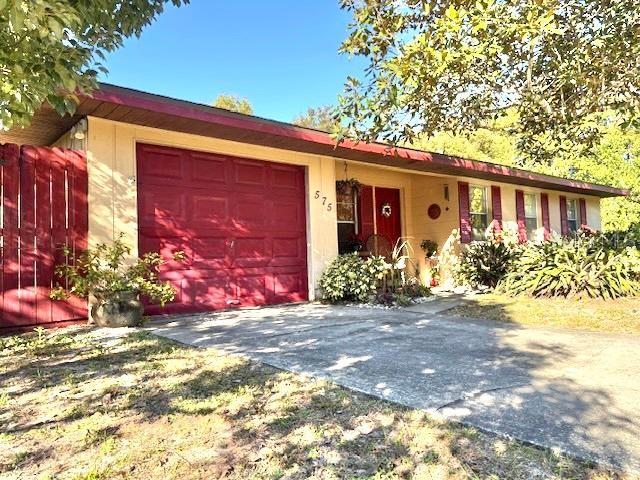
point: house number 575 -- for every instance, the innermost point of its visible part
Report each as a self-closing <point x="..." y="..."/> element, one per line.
<point x="327" y="205"/>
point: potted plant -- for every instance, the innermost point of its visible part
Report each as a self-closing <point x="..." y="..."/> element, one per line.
<point x="348" y="186"/>
<point x="430" y="248"/>
<point x="112" y="283"/>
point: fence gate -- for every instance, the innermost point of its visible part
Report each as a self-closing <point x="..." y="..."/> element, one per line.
<point x="44" y="207"/>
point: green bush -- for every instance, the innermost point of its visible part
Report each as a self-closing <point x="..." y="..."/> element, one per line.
<point x="579" y="266"/>
<point x="349" y="277"/>
<point x="484" y="264"/>
<point x="105" y="270"/>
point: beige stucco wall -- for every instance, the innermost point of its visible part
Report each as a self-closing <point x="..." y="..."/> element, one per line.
<point x="419" y="190"/>
<point x="111" y="148"/>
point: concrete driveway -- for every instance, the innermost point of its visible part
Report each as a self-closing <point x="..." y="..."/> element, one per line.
<point x="573" y="390"/>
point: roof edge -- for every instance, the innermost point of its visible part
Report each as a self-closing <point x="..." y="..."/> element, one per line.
<point x="171" y="106"/>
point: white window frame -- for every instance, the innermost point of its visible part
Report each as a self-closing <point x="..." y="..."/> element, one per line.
<point x="530" y="232"/>
<point x="355" y="212"/>
<point x="486" y="213"/>
<point x="575" y="220"/>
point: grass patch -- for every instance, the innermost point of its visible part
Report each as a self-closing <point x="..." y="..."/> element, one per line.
<point x="85" y="409"/>
<point x="621" y="315"/>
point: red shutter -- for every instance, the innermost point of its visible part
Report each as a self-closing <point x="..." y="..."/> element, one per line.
<point x="496" y="207"/>
<point x="546" y="224"/>
<point x="465" y="215"/>
<point x="564" y="224"/>
<point x="522" y="226"/>
<point x="583" y="213"/>
<point x="365" y="213"/>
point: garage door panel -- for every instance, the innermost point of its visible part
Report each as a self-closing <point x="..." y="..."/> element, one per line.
<point x="250" y="212"/>
<point x="286" y="178"/>
<point x="240" y="222"/>
<point x="251" y="289"/>
<point x="250" y="173"/>
<point x="286" y="284"/>
<point x="160" y="163"/>
<point x="288" y="251"/>
<point x="209" y="211"/>
<point x="288" y="216"/>
<point x="209" y="169"/>
<point x="158" y="208"/>
<point x="252" y="251"/>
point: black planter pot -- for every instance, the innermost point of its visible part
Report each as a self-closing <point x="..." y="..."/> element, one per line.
<point x="122" y="309"/>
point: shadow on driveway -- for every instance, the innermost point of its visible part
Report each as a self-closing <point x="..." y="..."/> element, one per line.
<point x="575" y="391"/>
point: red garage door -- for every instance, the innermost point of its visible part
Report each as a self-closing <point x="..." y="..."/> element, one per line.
<point x="240" y="222"/>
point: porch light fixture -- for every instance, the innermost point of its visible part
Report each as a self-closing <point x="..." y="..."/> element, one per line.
<point x="79" y="130"/>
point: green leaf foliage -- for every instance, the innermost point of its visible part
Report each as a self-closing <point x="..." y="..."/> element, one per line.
<point x="457" y="66"/>
<point x="233" y="103"/>
<point x="323" y="118"/>
<point x="349" y="277"/>
<point x="105" y="270"/>
<point x="484" y="264"/>
<point x="51" y="50"/>
<point x="583" y="265"/>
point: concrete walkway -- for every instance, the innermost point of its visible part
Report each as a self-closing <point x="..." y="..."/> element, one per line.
<point x="573" y="390"/>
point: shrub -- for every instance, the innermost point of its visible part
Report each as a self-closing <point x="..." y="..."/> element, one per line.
<point x="579" y="266"/>
<point x="104" y="271"/>
<point x="349" y="277"/>
<point x="484" y="264"/>
<point x="430" y="248"/>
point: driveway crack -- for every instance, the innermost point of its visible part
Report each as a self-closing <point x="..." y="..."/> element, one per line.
<point x="478" y="393"/>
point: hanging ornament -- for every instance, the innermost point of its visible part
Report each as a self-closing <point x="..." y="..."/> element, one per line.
<point x="386" y="210"/>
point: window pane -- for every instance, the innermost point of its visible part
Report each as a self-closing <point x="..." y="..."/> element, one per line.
<point x="532" y="226"/>
<point x="571" y="210"/>
<point x="477" y="200"/>
<point x="344" y="197"/>
<point x="530" y="206"/>
<point x="346" y="212"/>
<point x="573" y="225"/>
<point x="478" y="226"/>
<point x="346" y="237"/>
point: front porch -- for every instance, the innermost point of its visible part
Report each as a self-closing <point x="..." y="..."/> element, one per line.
<point x="387" y="204"/>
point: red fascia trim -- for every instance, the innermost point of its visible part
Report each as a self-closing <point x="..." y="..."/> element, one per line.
<point x="181" y="108"/>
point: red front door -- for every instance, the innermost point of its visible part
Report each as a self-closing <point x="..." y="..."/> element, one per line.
<point x="387" y="205"/>
<point x="240" y="222"/>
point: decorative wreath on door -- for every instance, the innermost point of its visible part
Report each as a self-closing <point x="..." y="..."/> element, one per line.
<point x="386" y="210"/>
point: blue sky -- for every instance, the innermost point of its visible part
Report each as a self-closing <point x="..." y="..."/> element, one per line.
<point x="280" y="54"/>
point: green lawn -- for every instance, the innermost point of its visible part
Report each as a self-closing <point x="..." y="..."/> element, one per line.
<point x="622" y="315"/>
<point x="73" y="407"/>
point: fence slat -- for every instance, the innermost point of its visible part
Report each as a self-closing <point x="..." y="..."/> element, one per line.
<point x="10" y="265"/>
<point x="59" y="310"/>
<point x="28" y="301"/>
<point x="78" y="212"/>
<point x="44" y="259"/>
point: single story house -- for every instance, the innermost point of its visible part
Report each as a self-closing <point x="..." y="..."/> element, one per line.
<point x="253" y="202"/>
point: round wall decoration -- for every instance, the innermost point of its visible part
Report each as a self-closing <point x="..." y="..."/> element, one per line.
<point x="386" y="210"/>
<point x="434" y="211"/>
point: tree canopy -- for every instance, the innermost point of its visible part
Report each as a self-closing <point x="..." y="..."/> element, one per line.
<point x="320" y="118"/>
<point x="51" y="50"/>
<point x="460" y="65"/>
<point x="233" y="103"/>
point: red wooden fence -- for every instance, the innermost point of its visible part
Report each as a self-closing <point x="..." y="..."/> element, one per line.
<point x="44" y="207"/>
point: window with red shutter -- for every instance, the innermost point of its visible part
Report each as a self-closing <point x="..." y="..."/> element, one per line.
<point x="521" y="217"/>
<point x="465" y="216"/>
<point x="546" y="223"/>
<point x="496" y="206"/>
<point x="583" y="213"/>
